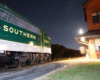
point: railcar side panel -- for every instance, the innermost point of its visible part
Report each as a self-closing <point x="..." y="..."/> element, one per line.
<point x="21" y="41"/>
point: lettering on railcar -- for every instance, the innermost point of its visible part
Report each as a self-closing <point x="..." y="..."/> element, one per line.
<point x="17" y="31"/>
<point x="46" y="41"/>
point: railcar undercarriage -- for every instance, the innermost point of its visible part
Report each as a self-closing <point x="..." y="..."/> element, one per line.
<point x="15" y="59"/>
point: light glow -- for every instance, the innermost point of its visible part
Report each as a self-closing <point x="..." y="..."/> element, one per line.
<point x="31" y="43"/>
<point x="80" y="31"/>
<point x="97" y="48"/>
<point x="82" y="39"/>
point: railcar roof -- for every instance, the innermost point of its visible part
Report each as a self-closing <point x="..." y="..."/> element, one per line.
<point x="18" y="14"/>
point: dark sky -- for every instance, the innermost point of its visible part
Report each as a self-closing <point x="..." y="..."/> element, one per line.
<point x="62" y="19"/>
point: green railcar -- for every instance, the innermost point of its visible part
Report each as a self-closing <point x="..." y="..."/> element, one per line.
<point x="20" y="37"/>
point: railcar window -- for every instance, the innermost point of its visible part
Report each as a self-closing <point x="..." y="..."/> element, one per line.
<point x="37" y="38"/>
<point x="0" y="26"/>
<point x="6" y="16"/>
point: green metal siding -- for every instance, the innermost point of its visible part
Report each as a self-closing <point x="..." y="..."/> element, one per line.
<point x="7" y="35"/>
<point x="47" y="42"/>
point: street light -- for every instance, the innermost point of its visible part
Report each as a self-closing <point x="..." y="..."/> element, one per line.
<point x="81" y="32"/>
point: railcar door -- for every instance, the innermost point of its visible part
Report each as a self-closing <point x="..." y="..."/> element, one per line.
<point x="42" y="40"/>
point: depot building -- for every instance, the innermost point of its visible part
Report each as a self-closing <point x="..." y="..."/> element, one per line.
<point x="90" y="41"/>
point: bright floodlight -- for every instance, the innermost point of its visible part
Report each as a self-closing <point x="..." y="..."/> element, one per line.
<point x="82" y="39"/>
<point x="81" y="31"/>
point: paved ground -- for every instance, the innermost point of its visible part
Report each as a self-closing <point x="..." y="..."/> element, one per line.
<point x="38" y="72"/>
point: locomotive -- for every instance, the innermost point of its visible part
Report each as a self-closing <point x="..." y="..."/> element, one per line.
<point x="21" y="42"/>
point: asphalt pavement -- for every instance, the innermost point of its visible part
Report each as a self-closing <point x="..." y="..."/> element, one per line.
<point x="34" y="72"/>
<point x="30" y="73"/>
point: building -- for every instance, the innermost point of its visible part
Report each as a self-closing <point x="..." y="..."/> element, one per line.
<point x="91" y="39"/>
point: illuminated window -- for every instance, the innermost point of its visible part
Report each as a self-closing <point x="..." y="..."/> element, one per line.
<point x="96" y="17"/>
<point x="97" y="44"/>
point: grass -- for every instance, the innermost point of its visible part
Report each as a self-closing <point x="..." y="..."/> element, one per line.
<point x="85" y="72"/>
<point x="57" y="59"/>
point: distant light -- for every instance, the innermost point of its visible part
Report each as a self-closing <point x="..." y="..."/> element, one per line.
<point x="82" y="39"/>
<point x="65" y="66"/>
<point x="81" y="31"/>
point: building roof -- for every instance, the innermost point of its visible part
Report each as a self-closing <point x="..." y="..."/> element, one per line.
<point x="92" y="33"/>
<point x="86" y="3"/>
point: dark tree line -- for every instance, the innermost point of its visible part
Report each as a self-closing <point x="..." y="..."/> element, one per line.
<point x="59" y="51"/>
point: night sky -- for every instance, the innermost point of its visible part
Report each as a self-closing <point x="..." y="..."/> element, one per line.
<point x="62" y="19"/>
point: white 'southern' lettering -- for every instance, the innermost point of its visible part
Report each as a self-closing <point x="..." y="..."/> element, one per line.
<point x="5" y="28"/>
<point x="11" y="30"/>
<point x="16" y="31"/>
<point x="20" y="32"/>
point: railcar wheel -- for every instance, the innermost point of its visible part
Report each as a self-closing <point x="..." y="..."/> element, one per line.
<point x="28" y="62"/>
<point x="16" y="63"/>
